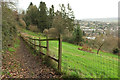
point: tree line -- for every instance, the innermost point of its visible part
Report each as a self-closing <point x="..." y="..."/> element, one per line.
<point x="43" y="17"/>
<point x="57" y="22"/>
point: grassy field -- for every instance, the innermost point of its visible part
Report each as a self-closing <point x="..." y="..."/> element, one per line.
<point x="83" y="64"/>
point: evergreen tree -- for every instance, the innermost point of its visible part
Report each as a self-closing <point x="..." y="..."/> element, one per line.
<point x="63" y="11"/>
<point x="31" y="16"/>
<point x="31" y="4"/>
<point x="70" y="18"/>
<point x="77" y="35"/>
<point x="43" y="18"/>
<point x="51" y="16"/>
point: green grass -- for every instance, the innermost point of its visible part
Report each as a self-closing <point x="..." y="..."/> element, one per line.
<point x="15" y="45"/>
<point x="32" y="33"/>
<point x="84" y="64"/>
<point x="11" y="50"/>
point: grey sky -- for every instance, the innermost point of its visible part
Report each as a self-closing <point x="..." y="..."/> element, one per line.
<point x="82" y="8"/>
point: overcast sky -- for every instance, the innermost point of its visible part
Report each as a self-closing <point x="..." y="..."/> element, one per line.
<point x="82" y="8"/>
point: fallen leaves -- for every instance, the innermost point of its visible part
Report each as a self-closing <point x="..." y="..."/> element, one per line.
<point x="23" y="64"/>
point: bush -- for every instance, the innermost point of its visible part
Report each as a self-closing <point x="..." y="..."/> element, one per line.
<point x="8" y="26"/>
<point x="116" y="50"/>
<point x="45" y="31"/>
<point x="81" y="43"/>
<point x="68" y="39"/>
<point x="22" y="23"/>
<point x="109" y="43"/>
<point x="33" y="28"/>
<point x="51" y="32"/>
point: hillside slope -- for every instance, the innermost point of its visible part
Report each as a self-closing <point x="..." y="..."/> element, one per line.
<point x="83" y="64"/>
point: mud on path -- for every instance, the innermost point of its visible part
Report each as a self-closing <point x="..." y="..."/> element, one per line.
<point x="26" y="65"/>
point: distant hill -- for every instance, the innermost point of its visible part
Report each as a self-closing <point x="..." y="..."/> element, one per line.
<point x="102" y="19"/>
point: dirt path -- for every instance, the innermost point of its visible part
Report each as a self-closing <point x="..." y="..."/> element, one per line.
<point x="28" y="65"/>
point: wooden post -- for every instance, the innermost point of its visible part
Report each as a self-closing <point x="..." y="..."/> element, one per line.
<point x="30" y="40"/>
<point x="60" y="53"/>
<point x="34" y="44"/>
<point x="27" y="40"/>
<point x="47" y="45"/>
<point x="40" y="45"/>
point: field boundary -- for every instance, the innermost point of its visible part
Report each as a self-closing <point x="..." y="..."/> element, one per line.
<point x="32" y="42"/>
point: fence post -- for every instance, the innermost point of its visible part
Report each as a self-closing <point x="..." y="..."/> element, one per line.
<point x="34" y="44"/>
<point x="60" y="53"/>
<point x="30" y="42"/>
<point x="47" y="45"/>
<point x="39" y="45"/>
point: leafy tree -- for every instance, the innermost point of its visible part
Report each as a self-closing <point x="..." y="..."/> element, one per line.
<point x="68" y="16"/>
<point x="63" y="20"/>
<point x="59" y="23"/>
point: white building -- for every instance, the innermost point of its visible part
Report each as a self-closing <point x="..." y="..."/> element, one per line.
<point x="91" y="38"/>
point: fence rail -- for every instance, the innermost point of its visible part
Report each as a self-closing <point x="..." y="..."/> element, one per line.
<point x="32" y="42"/>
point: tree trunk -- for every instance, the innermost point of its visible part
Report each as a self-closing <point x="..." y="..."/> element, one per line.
<point x="99" y="48"/>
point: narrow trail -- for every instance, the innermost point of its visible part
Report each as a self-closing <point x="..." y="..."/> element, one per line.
<point x="33" y="64"/>
<point x="30" y="66"/>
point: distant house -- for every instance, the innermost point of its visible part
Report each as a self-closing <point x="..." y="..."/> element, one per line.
<point x="91" y="38"/>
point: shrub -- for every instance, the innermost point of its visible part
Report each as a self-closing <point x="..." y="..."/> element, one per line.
<point x="8" y="26"/>
<point x="33" y="28"/>
<point x="22" y="23"/>
<point x="68" y="39"/>
<point x="45" y="31"/>
<point x="86" y="48"/>
<point x="52" y="32"/>
<point x="109" y="43"/>
<point x="81" y="43"/>
<point x="116" y="50"/>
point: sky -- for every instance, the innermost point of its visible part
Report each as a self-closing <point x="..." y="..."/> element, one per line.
<point x="83" y="9"/>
